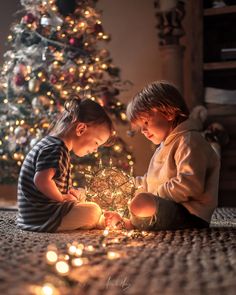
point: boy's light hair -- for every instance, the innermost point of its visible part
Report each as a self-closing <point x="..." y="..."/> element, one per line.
<point x="161" y="96"/>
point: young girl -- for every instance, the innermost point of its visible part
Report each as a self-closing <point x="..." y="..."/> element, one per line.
<point x="180" y="187"/>
<point x="46" y="200"/>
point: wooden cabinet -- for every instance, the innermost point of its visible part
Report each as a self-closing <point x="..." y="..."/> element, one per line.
<point x="211" y="63"/>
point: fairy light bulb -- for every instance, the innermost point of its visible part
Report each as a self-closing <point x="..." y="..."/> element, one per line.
<point x="117" y="148"/>
<point x="51" y="257"/>
<point x="54" y="8"/>
<point x="29" y="69"/>
<point x="123" y="116"/>
<point x="112" y="255"/>
<point x="82" y="25"/>
<point x="71" y="70"/>
<point x="77" y="261"/>
<point x="116" y="241"/>
<point x="62" y="267"/>
<point x="90" y="248"/>
<point x="75" y="183"/>
<point x="72" y="249"/>
<point x="106" y="232"/>
<point x="48" y="289"/>
<point x="78" y="252"/>
<point x="87" y="13"/>
<point x="104" y="66"/>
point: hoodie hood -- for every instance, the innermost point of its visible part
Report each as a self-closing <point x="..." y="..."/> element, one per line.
<point x="186" y="126"/>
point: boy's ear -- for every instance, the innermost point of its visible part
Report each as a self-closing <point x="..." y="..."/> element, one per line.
<point x="80" y="128"/>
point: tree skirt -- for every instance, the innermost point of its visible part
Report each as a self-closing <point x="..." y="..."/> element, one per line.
<point x="166" y="262"/>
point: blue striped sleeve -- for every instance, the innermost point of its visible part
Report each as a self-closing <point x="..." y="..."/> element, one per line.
<point x="49" y="157"/>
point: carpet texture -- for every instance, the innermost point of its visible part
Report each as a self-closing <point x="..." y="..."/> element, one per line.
<point x="166" y="262"/>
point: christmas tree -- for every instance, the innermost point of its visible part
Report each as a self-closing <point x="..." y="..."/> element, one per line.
<point x="54" y="54"/>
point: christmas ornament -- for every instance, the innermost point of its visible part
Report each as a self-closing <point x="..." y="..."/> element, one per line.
<point x="45" y="21"/>
<point x="34" y="85"/>
<point x="66" y="7"/>
<point x="110" y="188"/>
<point x="36" y="103"/>
<point x="20" y="69"/>
<point x="76" y="42"/>
<point x="29" y="18"/>
<point x="19" y="131"/>
<point x="19" y="80"/>
<point x="53" y="79"/>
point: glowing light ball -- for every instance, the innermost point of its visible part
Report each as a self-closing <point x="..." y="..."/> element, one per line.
<point x="111" y="188"/>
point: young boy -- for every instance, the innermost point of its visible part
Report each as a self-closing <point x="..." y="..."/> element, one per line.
<point x="180" y="188"/>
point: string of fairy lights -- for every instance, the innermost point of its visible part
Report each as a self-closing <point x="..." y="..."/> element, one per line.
<point x="78" y="255"/>
<point x="110" y="187"/>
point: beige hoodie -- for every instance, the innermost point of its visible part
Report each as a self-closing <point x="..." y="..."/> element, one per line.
<point x="185" y="169"/>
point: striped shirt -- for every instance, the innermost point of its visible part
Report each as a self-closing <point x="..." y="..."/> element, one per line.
<point x="36" y="211"/>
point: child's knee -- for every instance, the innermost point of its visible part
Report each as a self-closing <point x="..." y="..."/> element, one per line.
<point x="143" y="205"/>
<point x="94" y="213"/>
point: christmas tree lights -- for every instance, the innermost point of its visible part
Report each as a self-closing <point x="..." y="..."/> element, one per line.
<point x="54" y="55"/>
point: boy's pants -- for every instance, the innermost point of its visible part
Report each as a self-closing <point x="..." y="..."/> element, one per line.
<point x="81" y="216"/>
<point x="170" y="216"/>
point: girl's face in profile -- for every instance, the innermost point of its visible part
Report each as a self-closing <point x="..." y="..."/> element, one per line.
<point x="155" y="126"/>
<point x="88" y="140"/>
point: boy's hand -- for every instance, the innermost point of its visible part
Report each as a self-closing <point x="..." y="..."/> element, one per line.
<point x="69" y="197"/>
<point x="112" y="218"/>
<point x="78" y="193"/>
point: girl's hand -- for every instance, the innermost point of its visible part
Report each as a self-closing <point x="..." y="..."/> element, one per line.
<point x="112" y="218"/>
<point x="69" y="197"/>
<point x="78" y="193"/>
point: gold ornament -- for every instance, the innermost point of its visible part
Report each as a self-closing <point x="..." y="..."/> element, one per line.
<point x="34" y="85"/>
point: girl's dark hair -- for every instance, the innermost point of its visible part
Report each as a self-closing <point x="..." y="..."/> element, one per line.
<point x="84" y="111"/>
<point x="162" y="96"/>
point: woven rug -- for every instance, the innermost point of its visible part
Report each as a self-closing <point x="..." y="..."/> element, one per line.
<point x="165" y="262"/>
